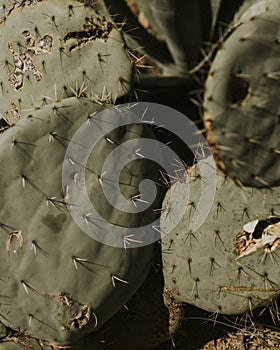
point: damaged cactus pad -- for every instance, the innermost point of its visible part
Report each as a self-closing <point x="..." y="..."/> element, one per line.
<point x="52" y="50"/>
<point x="231" y="263"/>
<point x="57" y="283"/>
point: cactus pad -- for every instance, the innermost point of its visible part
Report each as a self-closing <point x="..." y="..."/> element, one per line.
<point x="231" y="263"/>
<point x="241" y="104"/>
<point x="57" y="283"/>
<point x="51" y="50"/>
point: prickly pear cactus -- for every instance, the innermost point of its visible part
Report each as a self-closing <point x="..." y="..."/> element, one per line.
<point x="231" y="263"/>
<point x="62" y="283"/>
<point x="241" y="108"/>
<point x="52" y="50"/>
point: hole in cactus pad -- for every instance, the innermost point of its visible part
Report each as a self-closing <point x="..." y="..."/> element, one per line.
<point x="258" y="234"/>
<point x="3" y="125"/>
<point x="238" y="90"/>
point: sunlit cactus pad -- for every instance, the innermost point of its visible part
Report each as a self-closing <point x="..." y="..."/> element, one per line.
<point x="231" y="263"/>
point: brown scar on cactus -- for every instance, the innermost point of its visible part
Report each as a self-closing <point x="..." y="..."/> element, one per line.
<point x="82" y="317"/>
<point x="258" y="234"/>
<point x="216" y="148"/>
<point x="17" y="4"/>
<point x="71" y="314"/>
<point x="208" y="124"/>
<point x="91" y="31"/>
<point x="15" y="110"/>
<point x="12" y="236"/>
<point x="24" y="61"/>
<point x="176" y="311"/>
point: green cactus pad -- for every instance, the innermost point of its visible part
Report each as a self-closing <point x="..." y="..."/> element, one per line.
<point x="52" y="50"/>
<point x="56" y="282"/>
<point x="230" y="264"/>
<point x="241" y="103"/>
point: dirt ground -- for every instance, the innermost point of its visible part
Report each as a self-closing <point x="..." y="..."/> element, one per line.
<point x="258" y="330"/>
